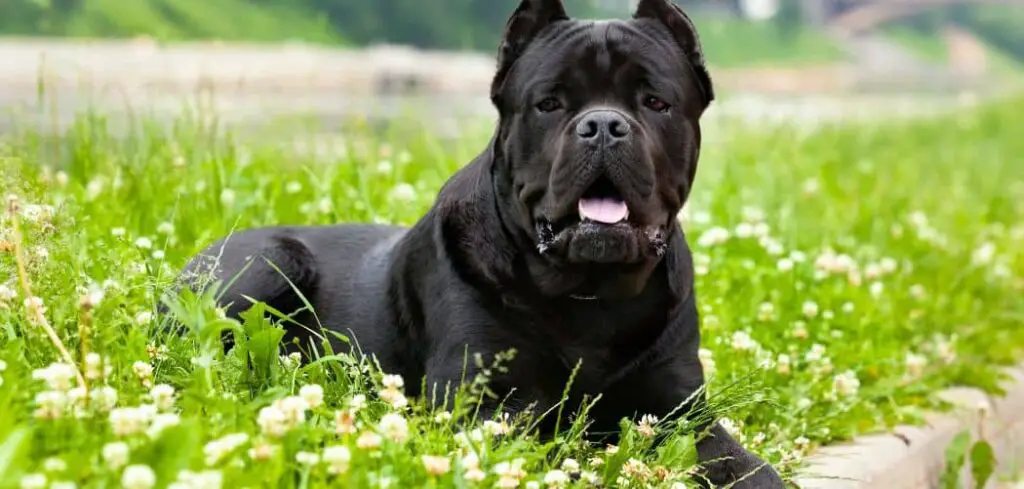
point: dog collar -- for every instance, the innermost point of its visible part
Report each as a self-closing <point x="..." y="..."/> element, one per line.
<point x="583" y="297"/>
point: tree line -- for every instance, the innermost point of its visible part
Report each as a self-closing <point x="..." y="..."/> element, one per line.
<point x="447" y="24"/>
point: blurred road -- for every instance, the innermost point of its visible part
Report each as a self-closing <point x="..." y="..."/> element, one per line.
<point x="45" y="83"/>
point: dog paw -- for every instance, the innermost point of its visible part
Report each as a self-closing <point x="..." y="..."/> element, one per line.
<point x="744" y="471"/>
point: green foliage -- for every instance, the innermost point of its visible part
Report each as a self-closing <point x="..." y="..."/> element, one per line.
<point x="843" y="276"/>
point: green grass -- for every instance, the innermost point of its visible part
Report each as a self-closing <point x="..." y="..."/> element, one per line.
<point x="844" y="275"/>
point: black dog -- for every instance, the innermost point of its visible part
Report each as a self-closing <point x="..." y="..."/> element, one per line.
<point x="560" y="240"/>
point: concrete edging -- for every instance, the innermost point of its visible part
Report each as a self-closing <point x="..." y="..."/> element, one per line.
<point x="913" y="457"/>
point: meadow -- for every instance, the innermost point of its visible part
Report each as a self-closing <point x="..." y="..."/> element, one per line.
<point x="844" y="274"/>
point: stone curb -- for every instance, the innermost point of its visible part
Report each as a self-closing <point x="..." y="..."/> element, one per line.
<point x="913" y="457"/>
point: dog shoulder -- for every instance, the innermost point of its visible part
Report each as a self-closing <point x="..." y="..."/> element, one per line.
<point x="468" y="228"/>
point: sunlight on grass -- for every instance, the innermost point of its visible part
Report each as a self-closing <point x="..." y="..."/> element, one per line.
<point x="843" y="275"/>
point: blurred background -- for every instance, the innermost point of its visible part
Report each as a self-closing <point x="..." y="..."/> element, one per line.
<point x="329" y="62"/>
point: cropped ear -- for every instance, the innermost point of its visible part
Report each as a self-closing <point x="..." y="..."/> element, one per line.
<point x="531" y="17"/>
<point x="685" y="33"/>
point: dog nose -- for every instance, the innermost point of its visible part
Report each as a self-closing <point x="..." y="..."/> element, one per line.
<point x="606" y="125"/>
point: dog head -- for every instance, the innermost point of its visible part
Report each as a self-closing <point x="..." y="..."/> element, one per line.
<point x="598" y="140"/>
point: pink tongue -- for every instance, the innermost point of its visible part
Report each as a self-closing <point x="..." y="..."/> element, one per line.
<point x="608" y="211"/>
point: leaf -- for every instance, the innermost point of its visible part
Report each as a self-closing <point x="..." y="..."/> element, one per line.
<point x="263" y="343"/>
<point x="983" y="463"/>
<point x="11" y="450"/>
<point x="956" y="456"/>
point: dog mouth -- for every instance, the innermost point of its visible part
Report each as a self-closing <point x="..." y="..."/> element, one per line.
<point x="602" y="203"/>
<point x="600" y="231"/>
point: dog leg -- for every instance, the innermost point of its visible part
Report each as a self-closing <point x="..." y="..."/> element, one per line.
<point x="724" y="461"/>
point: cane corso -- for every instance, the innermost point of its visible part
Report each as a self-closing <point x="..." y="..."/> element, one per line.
<point x="560" y="240"/>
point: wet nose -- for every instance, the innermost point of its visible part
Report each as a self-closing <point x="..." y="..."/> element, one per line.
<point x="602" y="127"/>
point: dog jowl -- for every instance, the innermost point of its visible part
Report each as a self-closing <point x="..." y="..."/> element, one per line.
<point x="560" y="241"/>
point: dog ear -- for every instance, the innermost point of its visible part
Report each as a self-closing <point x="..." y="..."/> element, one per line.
<point x="531" y="17"/>
<point x="685" y="33"/>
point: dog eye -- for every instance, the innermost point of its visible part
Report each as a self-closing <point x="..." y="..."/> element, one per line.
<point x="656" y="104"/>
<point x="549" y="104"/>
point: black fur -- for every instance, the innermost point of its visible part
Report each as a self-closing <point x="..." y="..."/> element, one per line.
<point x="502" y="260"/>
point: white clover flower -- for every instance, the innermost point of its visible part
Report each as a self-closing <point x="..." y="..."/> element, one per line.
<point x="227" y="197"/>
<point x="94" y="188"/>
<point x="646" y="425"/>
<point x="115" y="454"/>
<point x="395" y="427"/>
<point x="262" y="452"/>
<point x="394" y="397"/>
<point x="816" y="354"/>
<point x="403" y="192"/>
<point x="435" y="465"/>
<point x="7" y="294"/>
<point x="216" y="450"/>
<point x="742" y="341"/>
<point x="916" y="363"/>
<point x="337" y="458"/>
<point x="707" y="360"/>
<point x="143" y="370"/>
<point x="50" y="404"/>
<point x="94" y="367"/>
<point x="127" y="421"/>
<point x="165" y="228"/>
<point x="392" y="381"/>
<point x="783" y="364"/>
<point x="294" y="408"/>
<point x="163" y="396"/>
<point x="810" y="309"/>
<point x="33" y="481"/>
<point x="556" y="478"/>
<point x="357" y="402"/>
<point x="207" y="479"/>
<point x="313" y="394"/>
<point x="293" y="187"/>
<point x="63" y="485"/>
<point x="983" y="254"/>
<point x="308" y="459"/>
<point x="104" y="398"/>
<point x="712" y="237"/>
<point x="873" y="271"/>
<point x="730" y="426"/>
<point x="138" y="477"/>
<point x="744" y="230"/>
<point x="465" y="439"/>
<point x="144" y="243"/>
<point x="784" y="265"/>
<point x="846" y="384"/>
<point x="161" y="422"/>
<point x="877" y="288"/>
<point x="54" y="464"/>
<point x="917" y="291"/>
<point x="570" y="465"/>
<point x="273" y="422"/>
<point x="369" y="440"/>
<point x="497" y="428"/>
<point x="58" y="376"/>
